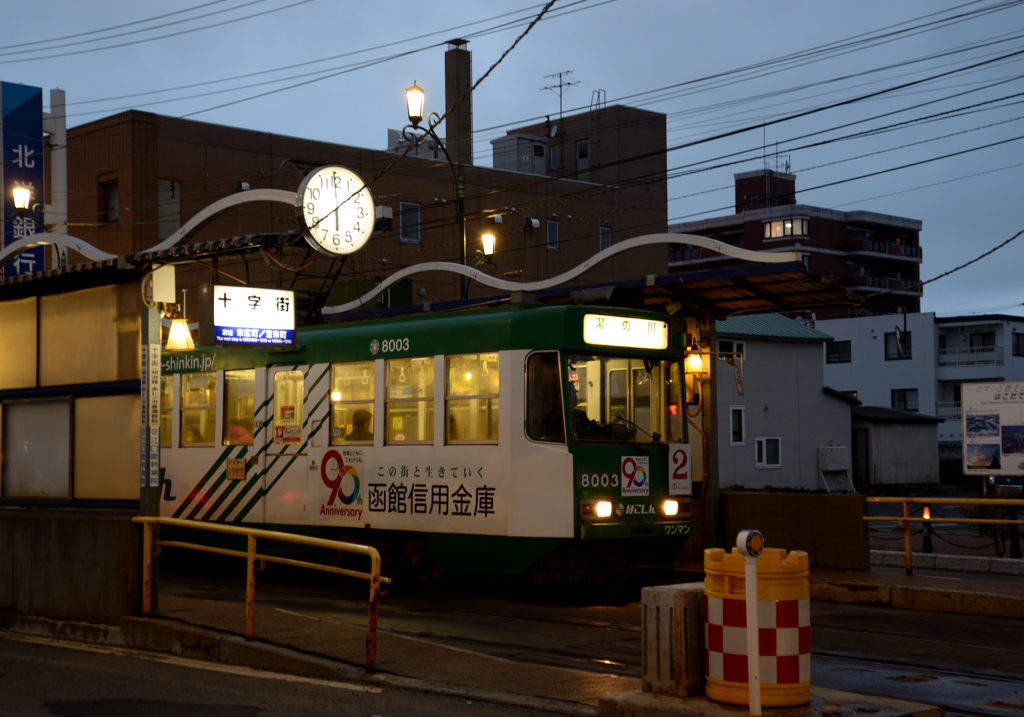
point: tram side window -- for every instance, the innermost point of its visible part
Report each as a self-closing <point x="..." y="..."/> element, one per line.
<point x="472" y="398"/>
<point x="239" y="404"/>
<point x="198" y="408"/>
<point x="409" y="406"/>
<point x="166" y="408"/>
<point x="544" y="421"/>
<point x="352" y="402"/>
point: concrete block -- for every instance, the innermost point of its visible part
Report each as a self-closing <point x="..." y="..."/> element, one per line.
<point x="672" y="638"/>
<point x="878" y="557"/>
<point x="894" y="559"/>
<point x="961" y="602"/>
<point x="925" y="561"/>
<point x="850" y="592"/>
<point x="962" y="563"/>
<point x="1006" y="566"/>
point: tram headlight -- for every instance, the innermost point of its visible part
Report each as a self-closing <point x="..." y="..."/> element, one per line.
<point x="670" y="507"/>
<point x="592" y="509"/>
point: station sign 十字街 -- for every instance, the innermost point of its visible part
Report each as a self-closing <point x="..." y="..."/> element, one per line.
<point x="602" y="330"/>
<point x="244" y="316"/>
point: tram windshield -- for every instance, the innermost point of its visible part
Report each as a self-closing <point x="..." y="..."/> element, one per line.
<point x="617" y="399"/>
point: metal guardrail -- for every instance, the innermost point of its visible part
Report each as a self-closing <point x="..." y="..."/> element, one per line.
<point x="906" y="520"/>
<point x="251" y="557"/>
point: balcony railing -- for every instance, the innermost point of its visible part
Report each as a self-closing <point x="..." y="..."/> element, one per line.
<point x="947" y="409"/>
<point x="883" y="248"/>
<point x="983" y="356"/>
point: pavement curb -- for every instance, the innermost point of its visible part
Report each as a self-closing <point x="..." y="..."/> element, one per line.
<point x="957" y="563"/>
<point x="824" y="703"/>
<point x="945" y="599"/>
<point x="163" y="635"/>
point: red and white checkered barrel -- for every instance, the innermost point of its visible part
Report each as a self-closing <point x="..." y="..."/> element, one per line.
<point x="783" y="621"/>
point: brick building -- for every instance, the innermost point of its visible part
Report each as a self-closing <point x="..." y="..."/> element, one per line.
<point x="865" y="252"/>
<point x="136" y="177"/>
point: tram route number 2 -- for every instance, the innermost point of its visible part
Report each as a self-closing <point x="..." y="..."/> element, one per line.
<point x="603" y="480"/>
<point x="680" y="479"/>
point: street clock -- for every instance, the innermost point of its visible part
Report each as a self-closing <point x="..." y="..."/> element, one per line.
<point x="335" y="210"/>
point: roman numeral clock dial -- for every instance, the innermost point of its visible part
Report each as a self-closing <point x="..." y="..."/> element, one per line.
<point x="335" y="210"/>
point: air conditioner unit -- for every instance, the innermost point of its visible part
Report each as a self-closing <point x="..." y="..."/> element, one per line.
<point x="531" y="223"/>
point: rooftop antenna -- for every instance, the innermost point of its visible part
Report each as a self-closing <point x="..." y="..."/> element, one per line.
<point x="560" y="87"/>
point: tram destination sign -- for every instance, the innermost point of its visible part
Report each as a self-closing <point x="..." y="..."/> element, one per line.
<point x="244" y="316"/>
<point x="602" y="330"/>
<point x="993" y="428"/>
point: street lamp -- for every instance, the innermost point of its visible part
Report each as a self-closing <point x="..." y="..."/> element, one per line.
<point x="22" y="197"/>
<point x="415" y="100"/>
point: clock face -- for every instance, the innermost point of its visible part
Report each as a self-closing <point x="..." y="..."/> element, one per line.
<point x="335" y="209"/>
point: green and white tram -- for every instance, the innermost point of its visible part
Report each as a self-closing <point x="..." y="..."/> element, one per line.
<point x="490" y="439"/>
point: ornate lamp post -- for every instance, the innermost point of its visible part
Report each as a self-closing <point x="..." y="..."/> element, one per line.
<point x="415" y="97"/>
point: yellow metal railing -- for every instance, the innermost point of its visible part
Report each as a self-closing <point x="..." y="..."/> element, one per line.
<point x="906" y="520"/>
<point x="151" y="548"/>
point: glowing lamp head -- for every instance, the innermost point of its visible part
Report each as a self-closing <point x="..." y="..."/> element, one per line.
<point x="488" y="242"/>
<point x="927" y="513"/>
<point x="415" y="98"/>
<point x="694" y="364"/>
<point x="604" y="509"/>
<point x="335" y="396"/>
<point x="179" y="338"/>
<point x="670" y="507"/>
<point x="22" y="197"/>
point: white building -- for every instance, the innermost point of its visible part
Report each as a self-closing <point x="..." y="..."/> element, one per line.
<point x="769" y="436"/>
<point x="924" y="371"/>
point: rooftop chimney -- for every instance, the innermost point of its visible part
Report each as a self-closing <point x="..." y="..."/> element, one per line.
<point x="458" y="72"/>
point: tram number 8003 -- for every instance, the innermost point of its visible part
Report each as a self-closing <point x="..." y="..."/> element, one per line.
<point x="593" y="480"/>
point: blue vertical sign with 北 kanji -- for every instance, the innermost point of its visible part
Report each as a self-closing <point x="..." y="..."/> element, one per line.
<point x="21" y="141"/>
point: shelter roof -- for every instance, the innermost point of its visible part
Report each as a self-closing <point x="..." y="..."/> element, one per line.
<point x="768" y="326"/>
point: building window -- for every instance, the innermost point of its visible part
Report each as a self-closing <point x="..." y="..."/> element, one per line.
<point x="983" y="340"/>
<point x="904" y="399"/>
<point x="895" y="350"/>
<point x="409" y="222"/>
<point x="730" y="347"/>
<point x="239" y="406"/>
<point x="409" y="407"/>
<point x="168" y="202"/>
<point x="552" y="235"/>
<point x="806" y="259"/>
<point x="768" y="453"/>
<point x="837" y="352"/>
<point x="553" y="157"/>
<point x="737" y="426"/>
<point x="605" y="235"/>
<point x="785" y="228"/>
<point x="36" y="445"/>
<point x="1018" y="344"/>
<point x="472" y="395"/>
<point x="198" y="409"/>
<point x="352" y="392"/>
<point x="110" y="207"/>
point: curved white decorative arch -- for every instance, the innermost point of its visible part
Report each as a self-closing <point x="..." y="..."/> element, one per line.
<point x="210" y="212"/>
<point x="87" y="250"/>
<point x="762" y="257"/>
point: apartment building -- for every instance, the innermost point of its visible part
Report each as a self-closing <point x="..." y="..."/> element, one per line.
<point x="875" y="256"/>
<point x="918" y="362"/>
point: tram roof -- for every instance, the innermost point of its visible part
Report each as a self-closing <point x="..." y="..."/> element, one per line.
<point x="728" y="291"/>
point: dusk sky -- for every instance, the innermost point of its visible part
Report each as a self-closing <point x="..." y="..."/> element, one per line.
<point x="918" y="80"/>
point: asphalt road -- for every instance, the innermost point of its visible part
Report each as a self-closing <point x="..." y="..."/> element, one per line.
<point x="869" y="649"/>
<point x="44" y="677"/>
